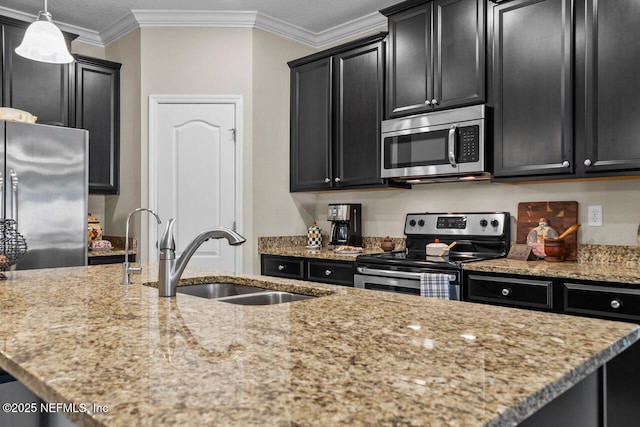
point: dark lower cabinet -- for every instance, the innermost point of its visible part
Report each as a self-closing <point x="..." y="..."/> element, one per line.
<point x="336" y="110"/>
<point x="39" y="88"/>
<point x="620" y="378"/>
<point x="109" y="259"/>
<point x="96" y="107"/>
<point x="312" y="269"/>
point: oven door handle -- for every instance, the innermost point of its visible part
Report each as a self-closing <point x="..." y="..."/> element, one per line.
<point x="395" y="274"/>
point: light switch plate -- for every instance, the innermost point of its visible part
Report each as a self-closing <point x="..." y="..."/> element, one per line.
<point x="594" y="215"/>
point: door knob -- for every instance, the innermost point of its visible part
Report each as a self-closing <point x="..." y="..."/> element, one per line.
<point x="565" y="164"/>
<point x="587" y="162"/>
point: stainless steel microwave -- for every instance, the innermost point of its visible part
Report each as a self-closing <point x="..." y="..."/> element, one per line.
<point x="439" y="146"/>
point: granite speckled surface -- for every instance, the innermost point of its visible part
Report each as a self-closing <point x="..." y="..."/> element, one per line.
<point x="350" y="357"/>
<point x="295" y="246"/>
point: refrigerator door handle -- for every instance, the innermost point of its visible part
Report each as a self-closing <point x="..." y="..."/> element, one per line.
<point x="14" y="196"/>
<point x="2" y="214"/>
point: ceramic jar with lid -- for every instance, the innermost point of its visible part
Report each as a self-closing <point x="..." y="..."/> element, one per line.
<point x="387" y="244"/>
<point x="314" y="238"/>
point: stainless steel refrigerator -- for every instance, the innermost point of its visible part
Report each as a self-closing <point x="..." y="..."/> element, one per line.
<point x="44" y="174"/>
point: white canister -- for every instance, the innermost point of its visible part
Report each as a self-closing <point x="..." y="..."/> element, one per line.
<point x="314" y="238"/>
<point x="434" y="249"/>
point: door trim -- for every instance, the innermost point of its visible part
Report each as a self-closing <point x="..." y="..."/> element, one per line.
<point x="155" y="101"/>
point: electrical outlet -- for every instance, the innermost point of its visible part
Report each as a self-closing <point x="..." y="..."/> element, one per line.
<point x="594" y="214"/>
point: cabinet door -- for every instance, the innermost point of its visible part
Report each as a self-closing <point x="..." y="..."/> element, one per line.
<point x="459" y="53"/>
<point x="334" y="272"/>
<point x="278" y="266"/>
<point x="358" y="81"/>
<point x="612" y="99"/>
<point x="410" y="62"/>
<point x="532" y="87"/>
<point x="311" y="126"/>
<point x="515" y="292"/>
<point x="40" y="88"/>
<point x="97" y="109"/>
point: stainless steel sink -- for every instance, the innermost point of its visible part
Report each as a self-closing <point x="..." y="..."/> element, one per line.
<point x="265" y="298"/>
<point x="217" y="290"/>
<point x="239" y="294"/>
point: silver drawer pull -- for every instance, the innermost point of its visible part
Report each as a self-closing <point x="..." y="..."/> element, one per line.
<point x="281" y="267"/>
<point x="328" y="272"/>
<point x="505" y="292"/>
<point x="616" y="304"/>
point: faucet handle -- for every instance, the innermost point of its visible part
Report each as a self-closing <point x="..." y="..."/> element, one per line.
<point x="167" y="241"/>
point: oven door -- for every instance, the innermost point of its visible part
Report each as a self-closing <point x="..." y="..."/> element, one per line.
<point x="402" y="282"/>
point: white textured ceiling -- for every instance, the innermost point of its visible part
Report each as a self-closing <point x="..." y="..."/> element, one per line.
<point x="97" y="16"/>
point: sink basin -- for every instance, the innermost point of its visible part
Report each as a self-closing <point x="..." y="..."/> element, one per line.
<point x="265" y="298"/>
<point x="217" y="290"/>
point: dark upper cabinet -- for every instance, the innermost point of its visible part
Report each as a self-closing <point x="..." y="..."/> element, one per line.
<point x="608" y="68"/>
<point x="96" y="107"/>
<point x="358" y="94"/>
<point x="436" y="55"/>
<point x="39" y="88"/>
<point x="336" y="109"/>
<point x="532" y="46"/>
<point x="311" y="126"/>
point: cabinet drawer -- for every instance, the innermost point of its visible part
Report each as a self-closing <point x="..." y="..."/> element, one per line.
<point x="339" y="273"/>
<point x="292" y="268"/>
<point x="511" y="291"/>
<point x="602" y="301"/>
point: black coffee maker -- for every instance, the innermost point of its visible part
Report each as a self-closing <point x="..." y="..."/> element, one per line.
<point x="346" y="224"/>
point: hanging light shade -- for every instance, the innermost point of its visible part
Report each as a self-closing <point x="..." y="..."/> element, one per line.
<point x="44" y="42"/>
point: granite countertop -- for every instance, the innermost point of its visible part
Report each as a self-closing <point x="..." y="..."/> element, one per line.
<point x="565" y="270"/>
<point x="295" y="246"/>
<point x="350" y="357"/>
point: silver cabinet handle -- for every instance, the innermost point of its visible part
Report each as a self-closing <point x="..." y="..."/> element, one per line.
<point x="565" y="164"/>
<point x="2" y="213"/>
<point x="327" y="180"/>
<point x="14" y="195"/>
<point x="616" y="304"/>
<point x="434" y="101"/>
<point x="452" y="146"/>
<point x="587" y="162"/>
<point x="427" y="102"/>
<point x="328" y="272"/>
<point x="505" y="292"/>
<point x="337" y="180"/>
<point x="281" y="267"/>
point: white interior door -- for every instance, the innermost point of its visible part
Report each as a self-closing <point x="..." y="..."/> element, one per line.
<point x="194" y="174"/>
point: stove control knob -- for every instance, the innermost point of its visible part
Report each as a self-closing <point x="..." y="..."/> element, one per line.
<point x="494" y="223"/>
<point x="483" y="222"/>
<point x="421" y="223"/>
<point x="412" y="223"/>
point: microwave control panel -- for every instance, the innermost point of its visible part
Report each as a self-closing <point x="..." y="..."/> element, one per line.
<point x="468" y="144"/>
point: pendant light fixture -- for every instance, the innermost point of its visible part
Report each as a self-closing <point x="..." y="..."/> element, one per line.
<point x="44" y="42"/>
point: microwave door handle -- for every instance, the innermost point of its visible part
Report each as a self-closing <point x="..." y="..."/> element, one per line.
<point x="452" y="146"/>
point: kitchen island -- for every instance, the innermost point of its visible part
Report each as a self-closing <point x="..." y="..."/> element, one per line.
<point x="347" y="357"/>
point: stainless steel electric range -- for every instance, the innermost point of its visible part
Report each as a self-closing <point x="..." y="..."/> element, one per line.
<point x="478" y="236"/>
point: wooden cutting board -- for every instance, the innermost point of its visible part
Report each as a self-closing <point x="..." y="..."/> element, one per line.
<point x="561" y="216"/>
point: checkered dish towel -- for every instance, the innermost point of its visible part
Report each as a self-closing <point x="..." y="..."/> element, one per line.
<point x="434" y="285"/>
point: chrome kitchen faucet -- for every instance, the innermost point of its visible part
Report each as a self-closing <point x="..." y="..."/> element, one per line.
<point x="126" y="267"/>
<point x="171" y="269"/>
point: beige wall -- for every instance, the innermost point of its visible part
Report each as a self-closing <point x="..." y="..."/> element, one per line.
<point x="275" y="211"/>
<point x="383" y="211"/>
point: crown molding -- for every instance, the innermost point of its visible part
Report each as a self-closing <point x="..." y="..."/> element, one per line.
<point x="242" y="19"/>
<point x="216" y="19"/>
